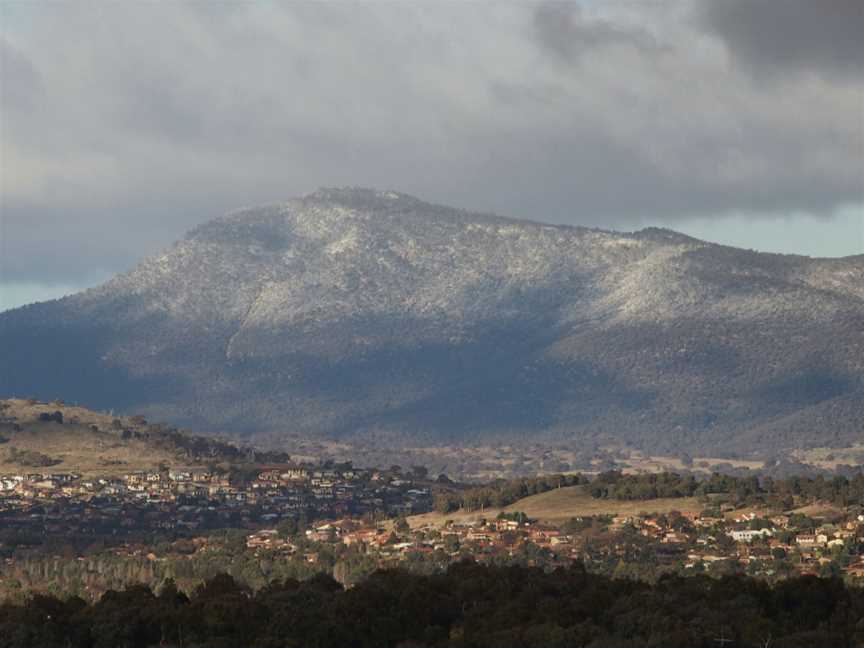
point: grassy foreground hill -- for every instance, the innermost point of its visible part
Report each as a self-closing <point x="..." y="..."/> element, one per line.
<point x="38" y="436"/>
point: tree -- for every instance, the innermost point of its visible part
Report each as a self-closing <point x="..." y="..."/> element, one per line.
<point x="57" y="416"/>
<point x="419" y="472"/>
<point x="446" y="503"/>
<point x="451" y="543"/>
<point x="288" y="528"/>
<point x="402" y="526"/>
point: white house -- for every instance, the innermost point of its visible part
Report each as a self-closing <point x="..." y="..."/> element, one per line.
<point x="748" y="535"/>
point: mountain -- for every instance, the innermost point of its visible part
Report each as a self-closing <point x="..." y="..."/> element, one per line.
<point x="365" y="315"/>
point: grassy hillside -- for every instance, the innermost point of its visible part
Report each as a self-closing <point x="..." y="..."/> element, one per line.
<point x="562" y="504"/>
<point x="96" y="443"/>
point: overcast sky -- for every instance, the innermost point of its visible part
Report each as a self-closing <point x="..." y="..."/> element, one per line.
<point x="124" y="124"/>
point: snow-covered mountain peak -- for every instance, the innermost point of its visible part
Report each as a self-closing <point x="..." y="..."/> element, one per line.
<point x="355" y="308"/>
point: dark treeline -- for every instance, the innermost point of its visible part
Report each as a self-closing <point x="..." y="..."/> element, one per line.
<point x="470" y="605"/>
<point x="839" y="490"/>
<point x="502" y="492"/>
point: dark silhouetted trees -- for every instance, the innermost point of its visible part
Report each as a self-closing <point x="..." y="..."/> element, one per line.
<point x="469" y="605"/>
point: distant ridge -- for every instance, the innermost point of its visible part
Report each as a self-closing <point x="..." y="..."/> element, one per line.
<point x="357" y="314"/>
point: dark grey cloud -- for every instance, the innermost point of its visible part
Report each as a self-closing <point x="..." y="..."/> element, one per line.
<point x="20" y="87"/>
<point x="564" y="31"/>
<point x="791" y="36"/>
<point x="132" y="123"/>
<point x="164" y="105"/>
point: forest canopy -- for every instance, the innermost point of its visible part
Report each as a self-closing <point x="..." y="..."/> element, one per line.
<point x="469" y="605"/>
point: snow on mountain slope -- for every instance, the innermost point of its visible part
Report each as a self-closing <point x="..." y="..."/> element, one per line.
<point x="351" y="311"/>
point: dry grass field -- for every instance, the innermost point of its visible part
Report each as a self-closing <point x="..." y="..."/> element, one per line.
<point x="820" y="510"/>
<point x="28" y="412"/>
<point x="642" y="463"/>
<point x="562" y="504"/>
<point x="81" y="450"/>
<point x="831" y="458"/>
<point x="77" y="447"/>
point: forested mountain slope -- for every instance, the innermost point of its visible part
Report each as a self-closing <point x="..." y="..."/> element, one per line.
<point x="354" y="313"/>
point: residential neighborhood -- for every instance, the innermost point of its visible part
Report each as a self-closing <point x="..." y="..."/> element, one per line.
<point x="187" y="502"/>
<point x="776" y="546"/>
<point x="296" y="519"/>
